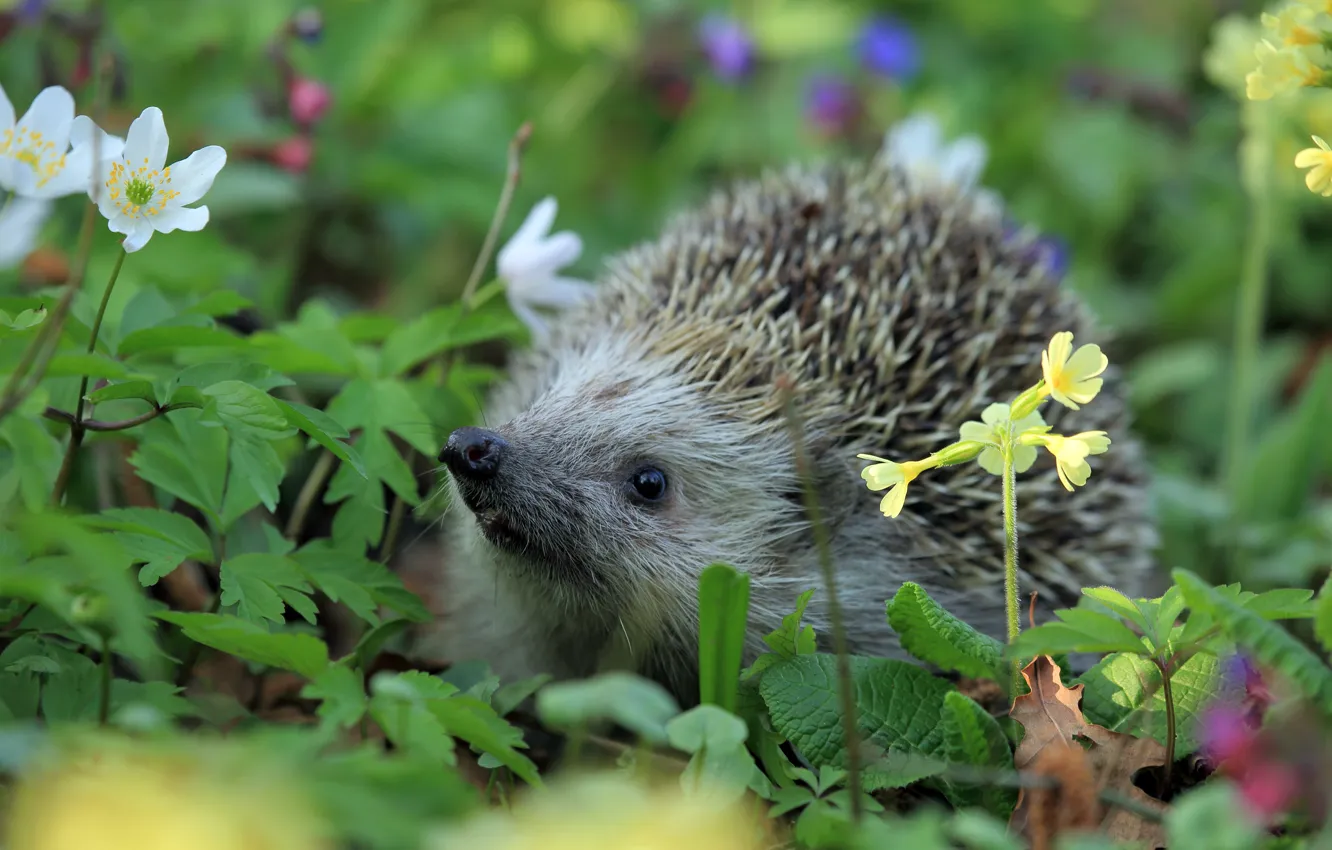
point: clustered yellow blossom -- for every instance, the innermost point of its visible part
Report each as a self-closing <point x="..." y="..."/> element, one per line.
<point x="1292" y="54"/>
<point x="1319" y="162"/>
<point x="1071" y="378"/>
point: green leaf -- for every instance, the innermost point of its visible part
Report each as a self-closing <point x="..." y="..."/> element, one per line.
<point x="900" y="705"/>
<point x="1123" y="693"/>
<point x="254" y="476"/>
<point x="1268" y="642"/>
<point x="300" y="653"/>
<point x="384" y="405"/>
<point x="356" y="581"/>
<point x="1279" y="473"/>
<point x="258" y="583"/>
<point x="73" y="364"/>
<point x="723" y="610"/>
<point x="971" y="736"/>
<point x="322" y="428"/>
<point x="124" y="389"/>
<point x="242" y="408"/>
<point x="342" y="696"/>
<point x="639" y="705"/>
<point x="1081" y="630"/>
<point x="400" y="704"/>
<point x="720" y="765"/>
<point x="28" y="468"/>
<point x="1285" y="603"/>
<point x="1323" y="616"/>
<point x="443" y="329"/>
<point x="791" y="639"/>
<point x="220" y="302"/>
<point x="1121" y="605"/>
<point x="477" y="723"/>
<point x="933" y="635"/>
<point x="160" y="339"/>
<point x="509" y="696"/>
<point x="23" y="321"/>
<point x="160" y="539"/>
<point x="185" y="458"/>
<point x="1211" y="817"/>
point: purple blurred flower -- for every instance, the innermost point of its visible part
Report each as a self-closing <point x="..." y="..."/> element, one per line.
<point x="831" y="103"/>
<point x="1048" y="249"/>
<point x="30" y="10"/>
<point x="1226" y="734"/>
<point x="888" y="48"/>
<point x="729" y="48"/>
<point x="307" y="24"/>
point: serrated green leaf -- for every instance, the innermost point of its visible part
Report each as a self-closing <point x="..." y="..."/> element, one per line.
<point x="1285" y="603"/>
<point x="792" y="639"/>
<point x="639" y="705"/>
<point x="254" y="476"/>
<point x="384" y="404"/>
<point x="160" y="339"/>
<point x="1123" y="693"/>
<point x="185" y="458"/>
<point x="723" y="611"/>
<point x="971" y="736"/>
<point x="361" y="584"/>
<point x="322" y="428"/>
<point x="159" y="539"/>
<point x="244" y="408"/>
<point x="256" y="584"/>
<point x="1269" y="643"/>
<point x="900" y="705"/>
<point x="300" y="653"/>
<point x="932" y="634"/>
<point x="477" y="723"/>
<point x="1080" y="630"/>
<point x="443" y="329"/>
<point x="1121" y="605"/>
<point x="400" y="704"/>
<point x="343" y="701"/>
<point x="30" y="463"/>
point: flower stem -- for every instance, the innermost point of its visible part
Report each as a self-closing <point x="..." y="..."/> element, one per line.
<point x="1011" y="545"/>
<point x="1169" y="697"/>
<point x="323" y="468"/>
<point x="77" y="428"/>
<point x="1255" y="167"/>
<point x="104" y="704"/>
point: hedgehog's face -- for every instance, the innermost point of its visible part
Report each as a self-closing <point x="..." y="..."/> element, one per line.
<point x="608" y="488"/>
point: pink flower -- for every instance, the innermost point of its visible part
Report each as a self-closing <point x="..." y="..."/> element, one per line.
<point x="1227" y="735"/>
<point x="308" y="100"/>
<point x="1268" y="789"/>
<point x="293" y="154"/>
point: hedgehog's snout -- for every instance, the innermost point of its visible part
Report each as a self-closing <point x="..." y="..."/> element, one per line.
<point x="473" y="454"/>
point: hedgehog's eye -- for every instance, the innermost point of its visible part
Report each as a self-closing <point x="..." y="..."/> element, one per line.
<point x="648" y="483"/>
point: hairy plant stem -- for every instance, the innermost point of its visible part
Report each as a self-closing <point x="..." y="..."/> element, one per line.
<point x="1255" y="158"/>
<point x="846" y="685"/>
<point x="31" y="369"/>
<point x="76" y="428"/>
<point x="1169" y="696"/>
<point x="1011" y="554"/>
<point x="511" y="177"/>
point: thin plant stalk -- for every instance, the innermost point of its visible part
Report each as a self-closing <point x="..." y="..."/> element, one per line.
<point x="76" y="429"/>
<point x="1169" y="696"/>
<point x="846" y="686"/>
<point x="104" y="702"/>
<point x="1011" y="543"/>
<point x="1255" y="158"/>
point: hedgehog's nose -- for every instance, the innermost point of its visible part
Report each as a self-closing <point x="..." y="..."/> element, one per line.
<point x="473" y="453"/>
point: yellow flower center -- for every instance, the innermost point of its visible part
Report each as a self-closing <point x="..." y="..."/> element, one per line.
<point x="141" y="192"/>
<point x="34" y="151"/>
<point x="1303" y="36"/>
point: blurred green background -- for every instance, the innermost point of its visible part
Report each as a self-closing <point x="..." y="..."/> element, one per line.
<point x="1103" y="130"/>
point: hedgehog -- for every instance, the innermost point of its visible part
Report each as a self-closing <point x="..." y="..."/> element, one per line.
<point x="644" y="439"/>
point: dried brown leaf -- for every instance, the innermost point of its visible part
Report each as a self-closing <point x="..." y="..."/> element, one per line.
<point x="1051" y="716"/>
<point x="1068" y="806"/>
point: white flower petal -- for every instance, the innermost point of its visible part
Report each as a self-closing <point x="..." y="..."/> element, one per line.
<point x="137" y="234"/>
<point x="914" y="139"/>
<point x="146" y="143"/>
<point x="52" y="115"/>
<point x="193" y="176"/>
<point x="963" y="161"/>
<point x="535" y="324"/>
<point x="85" y="131"/>
<point x="538" y="221"/>
<point x="180" y="218"/>
<point x="559" y="292"/>
<point x="77" y="176"/>
<point x="21" y="221"/>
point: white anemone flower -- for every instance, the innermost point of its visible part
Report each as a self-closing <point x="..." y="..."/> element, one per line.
<point x="35" y="156"/>
<point x="529" y="263"/>
<point x="139" y="194"/>
<point x="916" y="143"/>
<point x="21" y="221"/>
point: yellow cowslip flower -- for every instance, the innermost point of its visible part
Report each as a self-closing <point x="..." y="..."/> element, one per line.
<point x="1319" y="162"/>
<point x="994" y="419"/>
<point x="1295" y="26"/>
<point x="1282" y="70"/>
<point x="1071" y="453"/>
<point x="1229" y="57"/>
<point x="608" y="811"/>
<point x="123" y="794"/>
<point x="1071" y="376"/>
<point x="1323" y="6"/>
<point x="895" y="477"/>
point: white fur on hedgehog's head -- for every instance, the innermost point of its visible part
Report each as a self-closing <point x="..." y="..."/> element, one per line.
<point x="609" y="479"/>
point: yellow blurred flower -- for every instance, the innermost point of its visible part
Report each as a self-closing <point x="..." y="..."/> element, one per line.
<point x="1230" y="57"/>
<point x="606" y="811"/>
<point x="1295" y="26"/>
<point x="1282" y="70"/>
<point x="1071" y="376"/>
<point x="1319" y="162"/>
<point x="1071" y="453"/>
<point x="591" y="24"/>
<point x="130" y="795"/>
<point x="895" y="477"/>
